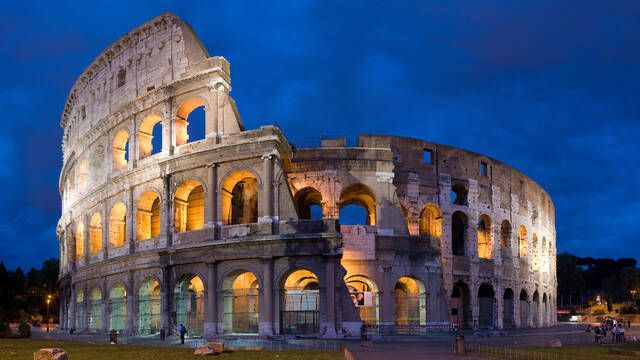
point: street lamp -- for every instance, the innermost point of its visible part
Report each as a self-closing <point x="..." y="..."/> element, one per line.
<point x="48" y="301"/>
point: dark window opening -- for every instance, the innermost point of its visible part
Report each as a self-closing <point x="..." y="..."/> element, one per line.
<point x="458" y="229"/>
<point x="483" y="168"/>
<point x="121" y="78"/>
<point x="427" y="157"/>
<point x="459" y="194"/>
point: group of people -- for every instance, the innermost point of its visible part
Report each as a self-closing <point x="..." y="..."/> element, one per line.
<point x="614" y="327"/>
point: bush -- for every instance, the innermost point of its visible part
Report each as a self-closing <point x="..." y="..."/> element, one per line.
<point x="5" y="331"/>
<point x="628" y="310"/>
<point x="24" y="329"/>
<point x="599" y="312"/>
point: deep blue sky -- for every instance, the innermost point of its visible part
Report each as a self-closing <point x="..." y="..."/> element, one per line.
<point x="549" y="87"/>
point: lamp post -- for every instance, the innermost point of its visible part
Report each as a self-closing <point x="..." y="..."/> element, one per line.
<point x="48" y="301"/>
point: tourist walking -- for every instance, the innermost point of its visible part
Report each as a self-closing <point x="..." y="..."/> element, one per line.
<point x="182" y="330"/>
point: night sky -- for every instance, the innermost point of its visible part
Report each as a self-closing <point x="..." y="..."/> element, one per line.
<point x="549" y="87"/>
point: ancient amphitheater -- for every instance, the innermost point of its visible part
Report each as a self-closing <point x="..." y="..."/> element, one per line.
<point x="236" y="231"/>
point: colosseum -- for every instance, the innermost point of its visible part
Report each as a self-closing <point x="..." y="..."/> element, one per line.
<point x="232" y="231"/>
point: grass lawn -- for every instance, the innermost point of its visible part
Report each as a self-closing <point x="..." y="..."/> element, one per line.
<point x="24" y="348"/>
<point x="569" y="352"/>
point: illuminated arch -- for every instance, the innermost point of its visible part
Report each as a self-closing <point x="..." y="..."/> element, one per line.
<point x="95" y="309"/>
<point x="300" y="308"/>
<point x="365" y="296"/>
<point x="118" y="225"/>
<point x="305" y="199"/>
<point x="119" y="149"/>
<point x="117" y="307"/>
<point x="240" y="198"/>
<point x="240" y="303"/>
<point x="522" y="241"/>
<point x="148" y="216"/>
<point x="95" y="234"/>
<point x="79" y="240"/>
<point x="189" y="206"/>
<point x="431" y="224"/>
<point x="410" y="302"/>
<point x="182" y="119"/>
<point x="505" y="239"/>
<point x="145" y="135"/>
<point x="188" y="304"/>
<point x="485" y="243"/>
<point x="149" y="302"/>
<point x="360" y="195"/>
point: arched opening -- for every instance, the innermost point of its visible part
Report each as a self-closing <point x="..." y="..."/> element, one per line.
<point x="79" y="241"/>
<point x="486" y="304"/>
<point x="189" y="304"/>
<point x="83" y="175"/>
<point x="148" y="216"/>
<point x="119" y="149"/>
<point x="535" y="262"/>
<point x="522" y="241"/>
<point x="410" y="302"/>
<point x="241" y="303"/>
<point x="149" y="307"/>
<point x="524" y="309"/>
<point x="485" y="243"/>
<point x="300" y="304"/>
<point x="508" y="313"/>
<point x="117" y="308"/>
<point x="505" y="239"/>
<point x="458" y="233"/>
<point x="95" y="310"/>
<point x="364" y="294"/>
<point x="460" y="306"/>
<point x="360" y="195"/>
<point x="80" y="311"/>
<point x="189" y="206"/>
<point x="150" y="136"/>
<point x="240" y="198"/>
<point x="190" y="121"/>
<point x="95" y="234"/>
<point x="535" y="309"/>
<point x="117" y="225"/>
<point x="431" y="225"/>
<point x="459" y="194"/>
<point x="309" y="203"/>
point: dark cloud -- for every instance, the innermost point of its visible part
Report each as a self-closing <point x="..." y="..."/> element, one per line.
<point x="549" y="87"/>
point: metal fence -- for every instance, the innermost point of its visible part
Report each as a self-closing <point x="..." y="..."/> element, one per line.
<point x="511" y="353"/>
<point x="413" y="330"/>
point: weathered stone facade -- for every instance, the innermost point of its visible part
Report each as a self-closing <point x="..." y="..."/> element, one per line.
<point x="218" y="233"/>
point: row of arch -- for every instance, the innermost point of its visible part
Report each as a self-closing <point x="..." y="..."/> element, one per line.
<point x="239" y="206"/>
<point x="191" y="111"/>
<point x="309" y="202"/>
<point x="530" y="314"/>
<point x="188" y="125"/>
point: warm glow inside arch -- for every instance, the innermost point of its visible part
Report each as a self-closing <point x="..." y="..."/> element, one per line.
<point x="522" y="241"/>
<point x="95" y="233"/>
<point x="240" y="198"/>
<point x="148" y="216"/>
<point x="119" y="150"/>
<point x="182" y="116"/>
<point x="361" y="195"/>
<point x="79" y="240"/>
<point x="431" y="224"/>
<point x="145" y="135"/>
<point x="117" y="225"/>
<point x="485" y="243"/>
<point x="189" y="206"/>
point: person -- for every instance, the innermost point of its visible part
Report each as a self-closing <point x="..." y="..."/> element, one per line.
<point x="621" y="334"/>
<point x="598" y="334"/>
<point x="614" y="334"/>
<point x="629" y="321"/>
<point x="182" y="331"/>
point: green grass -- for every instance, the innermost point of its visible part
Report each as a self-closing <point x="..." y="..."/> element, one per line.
<point x="24" y="349"/>
<point x="569" y="352"/>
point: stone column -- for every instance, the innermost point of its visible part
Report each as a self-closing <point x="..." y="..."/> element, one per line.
<point x="166" y="300"/>
<point x="211" y="305"/>
<point x="265" y="203"/>
<point x="130" y="223"/>
<point x="85" y="238"/>
<point x="105" y="230"/>
<point x="72" y="308"/>
<point x="386" y="297"/>
<point x="475" y="307"/>
<point x="105" y="306"/>
<point x="499" y="316"/>
<point x="168" y="213"/>
<point x="133" y="143"/>
<point x="328" y="301"/>
<point x="86" y="307"/>
<point x="131" y="305"/>
<point x="168" y="131"/>
<point x="71" y="240"/>
<point x="211" y="206"/>
<point x="266" y="302"/>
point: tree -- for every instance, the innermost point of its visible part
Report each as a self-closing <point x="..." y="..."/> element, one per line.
<point x="571" y="282"/>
